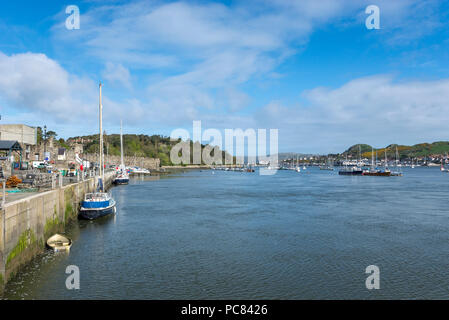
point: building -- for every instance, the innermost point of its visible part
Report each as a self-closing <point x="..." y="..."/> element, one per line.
<point x="62" y="154"/>
<point x="25" y="135"/>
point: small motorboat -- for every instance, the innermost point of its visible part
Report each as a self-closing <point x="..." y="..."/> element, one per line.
<point x="59" y="242"/>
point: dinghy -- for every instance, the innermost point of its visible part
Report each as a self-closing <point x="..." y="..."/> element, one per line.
<point x="59" y="242"/>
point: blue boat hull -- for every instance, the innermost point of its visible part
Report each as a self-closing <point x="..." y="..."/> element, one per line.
<point x="120" y="181"/>
<point x="93" y="214"/>
<point x="95" y="210"/>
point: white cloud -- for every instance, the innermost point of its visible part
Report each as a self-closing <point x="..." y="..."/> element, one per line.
<point x="375" y="110"/>
<point x="198" y="49"/>
<point x="31" y="82"/>
<point x="117" y="73"/>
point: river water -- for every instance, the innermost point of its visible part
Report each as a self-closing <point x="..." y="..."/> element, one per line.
<point x="221" y="235"/>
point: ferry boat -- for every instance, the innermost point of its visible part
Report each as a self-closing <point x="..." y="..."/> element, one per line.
<point x="100" y="203"/>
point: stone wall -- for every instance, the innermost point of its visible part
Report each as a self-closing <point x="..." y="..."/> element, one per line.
<point x="26" y="224"/>
<point x="147" y="163"/>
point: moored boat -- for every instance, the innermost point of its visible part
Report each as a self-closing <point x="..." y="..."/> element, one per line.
<point x="59" y="242"/>
<point x="122" y="173"/>
<point x="97" y="205"/>
<point x="353" y="171"/>
<point x="376" y="173"/>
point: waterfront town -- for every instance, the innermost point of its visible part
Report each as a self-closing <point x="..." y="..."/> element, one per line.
<point x="316" y="166"/>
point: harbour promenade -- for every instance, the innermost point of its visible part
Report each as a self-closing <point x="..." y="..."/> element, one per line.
<point x="27" y="223"/>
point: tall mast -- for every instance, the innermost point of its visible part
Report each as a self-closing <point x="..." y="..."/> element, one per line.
<point x="121" y="146"/>
<point x="360" y="156"/>
<point x="101" y="139"/>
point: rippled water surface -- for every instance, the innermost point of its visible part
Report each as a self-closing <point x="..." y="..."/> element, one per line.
<point x="222" y="235"/>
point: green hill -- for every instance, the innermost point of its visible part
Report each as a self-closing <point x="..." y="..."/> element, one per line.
<point x="154" y="146"/>
<point x="417" y="150"/>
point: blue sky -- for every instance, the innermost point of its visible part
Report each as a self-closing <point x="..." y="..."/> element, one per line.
<point x="308" y="68"/>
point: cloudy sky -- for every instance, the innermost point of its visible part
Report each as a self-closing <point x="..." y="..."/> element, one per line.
<point x="308" y="68"/>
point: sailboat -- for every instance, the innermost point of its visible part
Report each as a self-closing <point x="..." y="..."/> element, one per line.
<point x="328" y="165"/>
<point x="100" y="203"/>
<point x="122" y="177"/>
<point x="397" y="172"/>
<point x="373" y="171"/>
<point x="297" y="169"/>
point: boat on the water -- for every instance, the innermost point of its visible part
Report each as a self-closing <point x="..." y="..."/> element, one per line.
<point x="99" y="203"/>
<point x="328" y="166"/>
<point x="138" y="170"/>
<point x="376" y="172"/>
<point x="373" y="171"/>
<point x="59" y="242"/>
<point x="351" y="171"/>
<point x="122" y="174"/>
<point x="397" y="172"/>
<point x="354" y="170"/>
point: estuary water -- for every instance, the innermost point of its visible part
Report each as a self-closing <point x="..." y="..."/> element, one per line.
<point x="222" y="235"/>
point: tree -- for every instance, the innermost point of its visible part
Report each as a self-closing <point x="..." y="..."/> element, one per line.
<point x="51" y="134"/>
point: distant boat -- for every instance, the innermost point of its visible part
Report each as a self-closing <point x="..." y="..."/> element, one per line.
<point x="100" y="203"/>
<point x="351" y="171"/>
<point x="373" y="171"/>
<point x="328" y="166"/>
<point x="122" y="176"/>
<point x="59" y="242"/>
<point x="442" y="168"/>
<point x="397" y="172"/>
<point x="138" y="170"/>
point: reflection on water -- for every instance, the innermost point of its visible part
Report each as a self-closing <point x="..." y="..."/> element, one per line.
<point x="217" y="235"/>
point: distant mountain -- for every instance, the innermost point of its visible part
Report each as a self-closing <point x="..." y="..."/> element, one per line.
<point x="417" y="150"/>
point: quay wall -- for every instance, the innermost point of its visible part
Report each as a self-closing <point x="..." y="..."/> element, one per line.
<point x="144" y="162"/>
<point x="26" y="224"/>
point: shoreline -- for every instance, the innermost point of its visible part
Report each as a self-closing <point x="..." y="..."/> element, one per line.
<point x="27" y="223"/>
